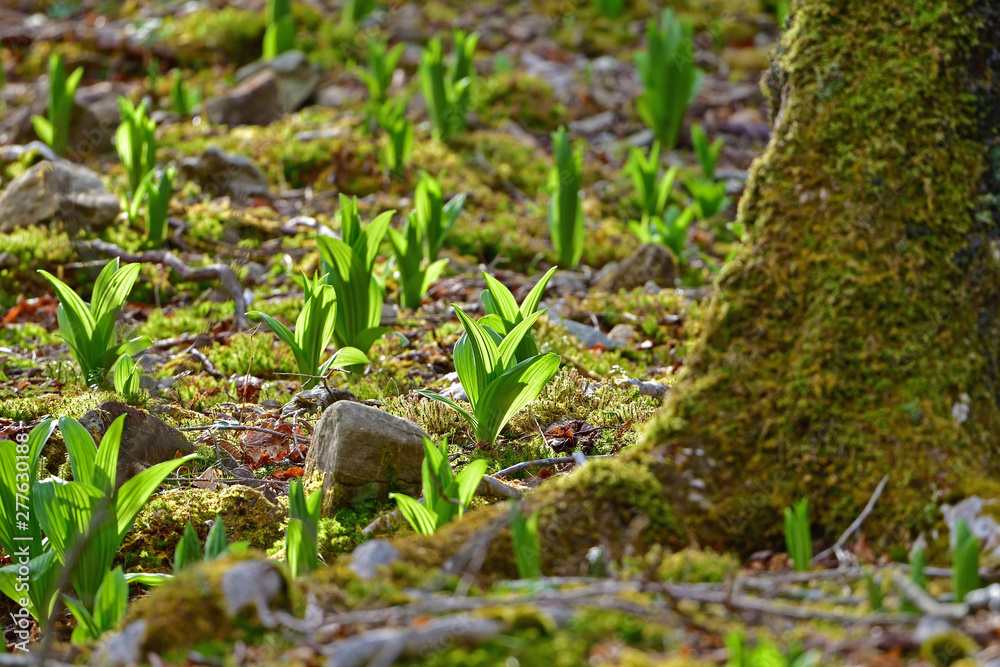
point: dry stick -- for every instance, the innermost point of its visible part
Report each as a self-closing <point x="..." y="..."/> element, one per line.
<point x="221" y="272"/>
<point x="236" y="427"/>
<point x="543" y="462"/>
<point x="925" y="602"/>
<point x="839" y="544"/>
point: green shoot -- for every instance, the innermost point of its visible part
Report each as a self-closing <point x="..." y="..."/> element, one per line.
<point x="183" y="100"/>
<point x="709" y="196"/>
<point x="565" y="209"/>
<point x="447" y="90"/>
<point x="126" y="374"/>
<point x="652" y="195"/>
<point x="964" y="562"/>
<point x="302" y="534"/>
<point x="446" y="497"/>
<point x="280" y="33"/>
<point x="395" y="155"/>
<point x="110" y="603"/>
<point x="415" y="278"/>
<point x="314" y="329"/>
<point x="797" y="537"/>
<point x="611" y="9"/>
<point x="503" y="313"/>
<point x="158" y="193"/>
<point x="89" y="329"/>
<point x="669" y="77"/>
<point x="54" y="130"/>
<point x="349" y="263"/>
<point x="377" y="77"/>
<point x="670" y="230"/>
<point x="135" y="141"/>
<point x="527" y="550"/>
<point x="497" y="385"/>
<point x="433" y="217"/>
<point x="188" y="550"/>
<point x="876" y="596"/>
<point x="708" y="155"/>
<point x="355" y="11"/>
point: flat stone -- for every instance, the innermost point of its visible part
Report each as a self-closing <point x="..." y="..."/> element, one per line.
<point x="587" y="335"/>
<point x="297" y="77"/>
<point x="253" y="102"/>
<point x="366" y="559"/>
<point x="651" y="262"/>
<point x="146" y="440"/>
<point x="226" y="174"/>
<point x="364" y="454"/>
<point x="57" y="189"/>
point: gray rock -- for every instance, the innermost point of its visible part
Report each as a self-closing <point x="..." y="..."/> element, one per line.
<point x="226" y="174"/>
<point x="595" y="124"/>
<point x="252" y="584"/>
<point x="651" y="389"/>
<point x="253" y="102"/>
<point x="334" y="96"/>
<point x="146" y="440"/>
<point x="58" y="189"/>
<point x="651" y="262"/>
<point x="370" y="555"/>
<point x="316" y="399"/>
<point x="297" y="78"/>
<point x="455" y="391"/>
<point x="623" y="333"/>
<point x="586" y="334"/>
<point x="364" y="453"/>
<point x="121" y="648"/>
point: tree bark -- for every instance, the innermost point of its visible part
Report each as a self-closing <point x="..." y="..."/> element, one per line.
<point x="857" y="333"/>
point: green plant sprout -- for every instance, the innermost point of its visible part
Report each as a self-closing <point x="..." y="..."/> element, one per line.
<point x="669" y="77"/>
<point x="446" y="496"/>
<point x="110" y="603"/>
<point x="565" y="209"/>
<point x="496" y="384"/>
<point x="377" y="76"/>
<point x="89" y="329"/>
<point x="503" y="313"/>
<point x="708" y="154"/>
<point x="611" y="9"/>
<point x="183" y="100"/>
<point x="964" y="562"/>
<point x="797" y="536"/>
<point x="766" y="654"/>
<point x="395" y="155"/>
<point x="314" y="329"/>
<point x="280" y="33"/>
<point x="87" y="517"/>
<point x="355" y="11"/>
<point x="302" y="533"/>
<point x="54" y="130"/>
<point x="415" y="276"/>
<point x="135" y="141"/>
<point x="670" y="230"/>
<point x="653" y="195"/>
<point x="349" y="264"/>
<point x="527" y="550"/>
<point x="447" y="90"/>
<point x="709" y="196"/>
<point x="189" y="551"/>
<point x="432" y="216"/>
<point x="126" y="377"/>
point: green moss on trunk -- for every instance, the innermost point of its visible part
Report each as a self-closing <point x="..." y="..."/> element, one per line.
<point x="856" y="335"/>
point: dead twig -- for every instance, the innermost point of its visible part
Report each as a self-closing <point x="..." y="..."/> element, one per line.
<point x="221" y="272"/>
<point x="839" y="544"/>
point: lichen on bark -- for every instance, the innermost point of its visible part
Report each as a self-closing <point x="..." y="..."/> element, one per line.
<point x="856" y="334"/>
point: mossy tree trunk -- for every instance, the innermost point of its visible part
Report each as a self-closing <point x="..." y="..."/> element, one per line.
<point x="856" y="335"/>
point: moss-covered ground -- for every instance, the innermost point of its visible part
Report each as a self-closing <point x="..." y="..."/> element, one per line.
<point x="780" y="324"/>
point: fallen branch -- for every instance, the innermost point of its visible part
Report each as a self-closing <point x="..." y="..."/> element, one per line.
<point x="543" y="462"/>
<point x="839" y="544"/>
<point x="221" y="272"/>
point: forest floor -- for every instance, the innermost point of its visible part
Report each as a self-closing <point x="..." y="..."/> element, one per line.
<point x="539" y="65"/>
